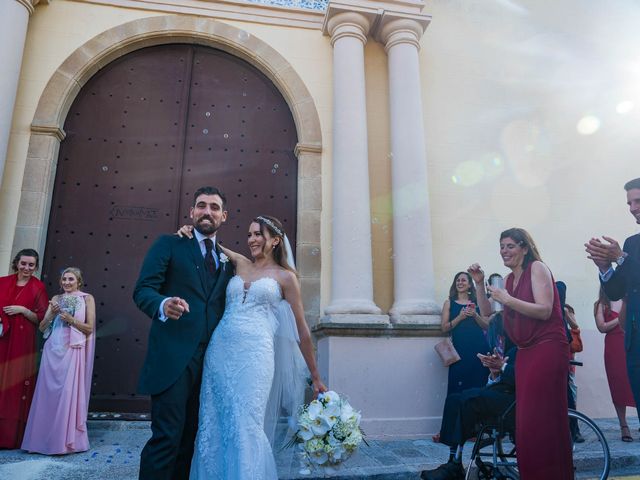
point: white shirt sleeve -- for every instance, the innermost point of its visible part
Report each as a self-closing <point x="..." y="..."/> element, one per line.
<point x="161" y="316"/>
<point x="606" y="275"/>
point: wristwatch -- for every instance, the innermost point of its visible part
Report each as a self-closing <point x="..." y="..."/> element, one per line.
<point x="620" y="259"/>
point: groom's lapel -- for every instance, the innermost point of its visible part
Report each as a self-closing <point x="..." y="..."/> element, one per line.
<point x="198" y="261"/>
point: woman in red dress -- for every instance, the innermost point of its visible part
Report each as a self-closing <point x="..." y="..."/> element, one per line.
<point x="23" y="303"/>
<point x="533" y="320"/>
<point x="615" y="362"/>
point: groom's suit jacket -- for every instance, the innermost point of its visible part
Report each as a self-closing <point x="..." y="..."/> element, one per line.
<point x="174" y="267"/>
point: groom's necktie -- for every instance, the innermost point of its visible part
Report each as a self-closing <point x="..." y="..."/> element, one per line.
<point x="209" y="262"/>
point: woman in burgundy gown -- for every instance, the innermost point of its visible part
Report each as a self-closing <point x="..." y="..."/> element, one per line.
<point x="23" y="302"/>
<point x="533" y="320"/>
<point x="615" y="362"/>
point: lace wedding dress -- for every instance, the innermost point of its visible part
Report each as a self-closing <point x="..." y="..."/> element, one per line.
<point x="252" y="368"/>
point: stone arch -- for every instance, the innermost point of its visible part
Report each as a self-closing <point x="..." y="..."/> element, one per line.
<point x="64" y="85"/>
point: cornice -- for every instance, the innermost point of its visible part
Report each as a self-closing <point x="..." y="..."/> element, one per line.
<point x="225" y="10"/>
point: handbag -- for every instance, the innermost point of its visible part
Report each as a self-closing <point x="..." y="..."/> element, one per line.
<point x="447" y="352"/>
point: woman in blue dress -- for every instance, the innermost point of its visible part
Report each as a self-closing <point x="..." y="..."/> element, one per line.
<point x="462" y="320"/>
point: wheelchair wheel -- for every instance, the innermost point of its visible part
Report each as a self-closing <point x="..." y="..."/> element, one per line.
<point x="591" y="458"/>
<point x="507" y="454"/>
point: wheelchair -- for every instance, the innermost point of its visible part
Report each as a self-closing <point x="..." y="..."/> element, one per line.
<point x="494" y="452"/>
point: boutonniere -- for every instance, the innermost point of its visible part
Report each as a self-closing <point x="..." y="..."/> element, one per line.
<point x="223" y="260"/>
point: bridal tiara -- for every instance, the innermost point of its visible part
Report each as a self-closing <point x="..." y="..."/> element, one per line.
<point x="271" y="224"/>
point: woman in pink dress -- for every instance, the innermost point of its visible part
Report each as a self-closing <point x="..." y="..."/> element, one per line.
<point x="533" y="320"/>
<point x="57" y="421"/>
<point x="615" y="363"/>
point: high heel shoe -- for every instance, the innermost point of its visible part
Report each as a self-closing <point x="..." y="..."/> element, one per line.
<point x="625" y="433"/>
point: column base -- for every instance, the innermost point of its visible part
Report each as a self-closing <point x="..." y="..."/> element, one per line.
<point x="425" y="312"/>
<point x="399" y="384"/>
<point x="415" y="307"/>
<point x="355" y="318"/>
<point x="352" y="306"/>
<point x="415" y="319"/>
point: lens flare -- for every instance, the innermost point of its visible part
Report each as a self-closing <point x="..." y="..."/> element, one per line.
<point x="624" y="107"/>
<point x="588" y="125"/>
<point x="469" y="173"/>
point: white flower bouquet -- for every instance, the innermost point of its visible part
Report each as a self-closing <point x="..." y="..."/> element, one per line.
<point x="327" y="432"/>
<point x="69" y="303"/>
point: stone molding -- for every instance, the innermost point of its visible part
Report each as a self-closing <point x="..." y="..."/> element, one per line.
<point x="375" y="329"/>
<point x="307" y="148"/>
<point x="389" y="22"/>
<point x="56" y="131"/>
<point x="226" y="10"/>
<point x="47" y="128"/>
<point x="30" y="5"/>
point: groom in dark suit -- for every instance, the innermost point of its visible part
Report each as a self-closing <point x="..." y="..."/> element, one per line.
<point x="624" y="282"/>
<point x="181" y="287"/>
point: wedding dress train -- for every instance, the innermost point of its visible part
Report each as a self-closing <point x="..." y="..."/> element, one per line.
<point x="250" y="371"/>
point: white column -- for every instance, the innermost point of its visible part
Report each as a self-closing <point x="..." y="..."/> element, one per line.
<point x="412" y="241"/>
<point x="14" y="19"/>
<point x="352" y="275"/>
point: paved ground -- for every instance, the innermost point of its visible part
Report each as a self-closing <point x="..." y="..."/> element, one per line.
<point x="116" y="449"/>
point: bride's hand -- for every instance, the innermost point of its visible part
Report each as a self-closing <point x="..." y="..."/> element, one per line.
<point x="318" y="387"/>
<point x="185" y="231"/>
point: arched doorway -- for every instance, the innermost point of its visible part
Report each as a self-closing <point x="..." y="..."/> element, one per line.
<point x="142" y="135"/>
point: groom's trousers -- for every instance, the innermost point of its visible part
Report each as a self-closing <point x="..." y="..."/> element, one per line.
<point x="174" y="423"/>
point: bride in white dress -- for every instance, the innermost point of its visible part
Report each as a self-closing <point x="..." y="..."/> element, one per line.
<point x="243" y="380"/>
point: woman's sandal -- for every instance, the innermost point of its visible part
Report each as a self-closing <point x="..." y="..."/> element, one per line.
<point x="626" y="433"/>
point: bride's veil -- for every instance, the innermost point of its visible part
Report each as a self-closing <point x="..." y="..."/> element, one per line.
<point x="290" y="373"/>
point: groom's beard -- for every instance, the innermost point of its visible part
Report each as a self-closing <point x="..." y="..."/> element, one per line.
<point x="207" y="228"/>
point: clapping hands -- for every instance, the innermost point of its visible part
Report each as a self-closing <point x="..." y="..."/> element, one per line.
<point x="494" y="362"/>
<point x="603" y="254"/>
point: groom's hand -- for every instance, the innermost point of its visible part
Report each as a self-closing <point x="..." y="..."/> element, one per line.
<point x="175" y="307"/>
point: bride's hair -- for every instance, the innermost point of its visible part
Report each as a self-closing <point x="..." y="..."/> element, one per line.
<point x="275" y="229"/>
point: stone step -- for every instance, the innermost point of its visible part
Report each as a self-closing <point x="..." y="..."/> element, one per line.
<point x="116" y="445"/>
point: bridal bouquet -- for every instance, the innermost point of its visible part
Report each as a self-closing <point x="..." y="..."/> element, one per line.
<point x="327" y="432"/>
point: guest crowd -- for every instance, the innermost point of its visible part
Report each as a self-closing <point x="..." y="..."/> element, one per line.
<point x="530" y="311"/>
<point x="49" y="414"/>
<point x="489" y="322"/>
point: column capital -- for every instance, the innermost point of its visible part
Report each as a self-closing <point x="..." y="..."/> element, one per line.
<point x="348" y="24"/>
<point x="394" y="28"/>
<point x="30" y="5"/>
<point x="344" y="20"/>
